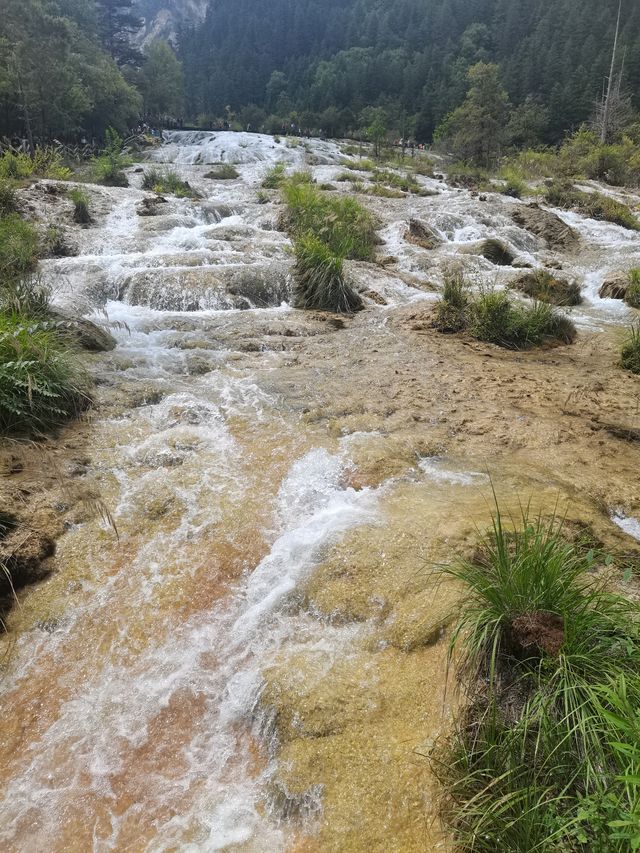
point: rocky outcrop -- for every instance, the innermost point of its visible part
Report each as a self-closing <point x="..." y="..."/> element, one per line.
<point x="614" y="286"/>
<point x="542" y="285"/>
<point x="87" y="334"/>
<point x="545" y="225"/>
<point x="151" y="205"/>
<point x="422" y="235"/>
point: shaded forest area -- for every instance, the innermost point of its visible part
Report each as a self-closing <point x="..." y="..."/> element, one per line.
<point x="323" y="62"/>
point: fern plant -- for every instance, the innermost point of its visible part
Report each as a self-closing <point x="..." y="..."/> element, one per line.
<point x="41" y="382"/>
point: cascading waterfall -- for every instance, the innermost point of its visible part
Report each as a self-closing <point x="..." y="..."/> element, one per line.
<point x="142" y="723"/>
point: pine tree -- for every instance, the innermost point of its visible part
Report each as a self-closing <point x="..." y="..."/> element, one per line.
<point x="118" y="25"/>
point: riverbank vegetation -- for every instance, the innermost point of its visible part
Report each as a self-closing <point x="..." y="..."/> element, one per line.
<point x="42" y="381"/>
<point x="545" y="756"/>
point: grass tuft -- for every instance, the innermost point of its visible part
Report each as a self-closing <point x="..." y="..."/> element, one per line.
<point x="319" y="279"/>
<point x="18" y="248"/>
<point x="167" y="183"/>
<point x="347" y="228"/>
<point x="542" y="285"/>
<point x="493" y="316"/>
<point x="41" y="383"/>
<point x="545" y="757"/>
<point x="81" y="213"/>
<point x="631" y="350"/>
<point x="632" y="296"/>
<point x="274" y="178"/>
<point x="223" y="172"/>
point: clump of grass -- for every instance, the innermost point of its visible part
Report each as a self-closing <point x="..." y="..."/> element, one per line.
<point x="18" y="247"/>
<point x="451" y="311"/>
<point x="45" y="163"/>
<point x="274" y="178"/>
<point x="108" y="167"/>
<point x="493" y="316"/>
<point x="406" y="183"/>
<point x="496" y="318"/>
<point x="167" y="183"/>
<point x="8" y="199"/>
<point x="385" y="192"/>
<point x="467" y="176"/>
<point x="593" y="205"/>
<point x="423" y="166"/>
<point x="41" y="383"/>
<point x="632" y="296"/>
<point x="347" y="228"/>
<point x="631" y="350"/>
<point x="513" y="185"/>
<point x="545" y="758"/>
<point x="319" y="279"/>
<point x="263" y="197"/>
<point x="26" y="296"/>
<point x="81" y="212"/>
<point x="362" y="165"/>
<point x="223" y="172"/>
<point x="542" y="285"/>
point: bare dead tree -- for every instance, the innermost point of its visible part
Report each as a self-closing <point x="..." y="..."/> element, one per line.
<point x="611" y="86"/>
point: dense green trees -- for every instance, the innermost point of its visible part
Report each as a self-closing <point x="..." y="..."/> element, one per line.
<point x="67" y="68"/>
<point x="476" y="130"/>
<point x="54" y="78"/>
<point x="410" y="57"/>
<point x="161" y="81"/>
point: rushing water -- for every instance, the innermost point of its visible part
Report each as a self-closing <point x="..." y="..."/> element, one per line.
<point x="134" y="721"/>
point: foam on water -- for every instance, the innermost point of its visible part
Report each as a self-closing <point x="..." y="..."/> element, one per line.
<point x="440" y="471"/>
<point x="630" y="525"/>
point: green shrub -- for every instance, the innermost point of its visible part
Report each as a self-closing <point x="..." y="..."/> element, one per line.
<point x="423" y="166"/>
<point x="513" y="186"/>
<point x="223" y="172"/>
<point x="15" y="166"/>
<point x="348" y="229"/>
<point x="593" y="205"/>
<point x="274" y="177"/>
<point x="319" y="279"/>
<point x="48" y="163"/>
<point x="108" y="167"/>
<point x="631" y="350"/>
<point x="8" y="199"/>
<point x="542" y="285"/>
<point x="632" y="296"/>
<point x="545" y="757"/>
<point x="41" y="384"/>
<point x="18" y="247"/>
<point x="81" y="213"/>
